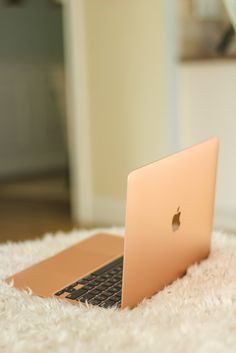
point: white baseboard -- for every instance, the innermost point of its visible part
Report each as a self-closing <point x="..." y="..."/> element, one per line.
<point x="225" y="219"/>
<point x="108" y="211"/>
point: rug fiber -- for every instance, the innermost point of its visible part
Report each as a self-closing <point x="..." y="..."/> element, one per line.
<point x="197" y="313"/>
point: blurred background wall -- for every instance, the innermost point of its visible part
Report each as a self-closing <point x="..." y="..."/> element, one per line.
<point x="138" y="107"/>
<point x="126" y="54"/>
<point x="142" y="79"/>
<point x="31" y="31"/>
<point x="206" y="91"/>
<point x="31" y="79"/>
<point x="33" y="147"/>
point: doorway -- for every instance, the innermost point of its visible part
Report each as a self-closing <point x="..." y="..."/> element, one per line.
<point x="34" y="172"/>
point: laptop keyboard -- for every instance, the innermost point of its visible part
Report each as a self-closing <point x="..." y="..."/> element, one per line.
<point x="101" y="287"/>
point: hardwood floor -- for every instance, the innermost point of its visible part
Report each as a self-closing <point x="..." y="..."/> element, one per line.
<point x="24" y="219"/>
<point x="32" y="208"/>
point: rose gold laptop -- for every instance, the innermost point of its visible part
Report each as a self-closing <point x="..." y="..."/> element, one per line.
<point x="168" y="227"/>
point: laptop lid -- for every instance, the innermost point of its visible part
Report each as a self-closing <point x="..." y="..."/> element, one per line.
<point x="169" y="214"/>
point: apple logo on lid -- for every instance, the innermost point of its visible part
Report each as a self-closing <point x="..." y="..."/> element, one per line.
<point x="176" y="220"/>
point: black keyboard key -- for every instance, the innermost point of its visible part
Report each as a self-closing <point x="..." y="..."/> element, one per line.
<point x="102" y="279"/>
<point x="105" y="285"/>
<point x="105" y="276"/>
<point x="108" y="276"/>
<point x="109" y="273"/>
<point x="108" y="303"/>
<point x="117" y="278"/>
<point x="108" y="293"/>
<point x="114" y="271"/>
<point x="75" y="284"/>
<point x="76" y="293"/>
<point x="88" y="286"/>
<point x="101" y="297"/>
<point x="95" y="301"/>
<point x="60" y="292"/>
<point x="102" y="287"/>
<point x="94" y="283"/>
<point x="95" y="291"/>
<point x="119" y="274"/>
<point x="89" y="277"/>
<point x="113" y="280"/>
<point x="104" y="295"/>
<point x="109" y="283"/>
<point x="109" y="266"/>
<point x="116" y="298"/>
<point x="86" y="297"/>
<point x="113" y="290"/>
<point x="69" y="289"/>
<point x="83" y="281"/>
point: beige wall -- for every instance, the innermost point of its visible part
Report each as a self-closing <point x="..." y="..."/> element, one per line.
<point x="118" y="111"/>
<point x="126" y="87"/>
<point x="207" y="106"/>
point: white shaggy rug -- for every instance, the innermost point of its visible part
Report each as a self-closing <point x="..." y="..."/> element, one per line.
<point x="197" y="313"/>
